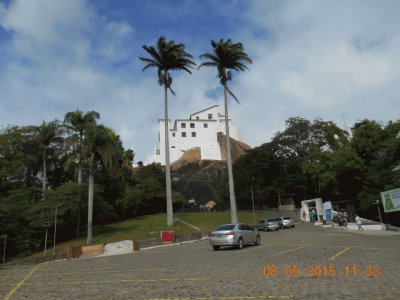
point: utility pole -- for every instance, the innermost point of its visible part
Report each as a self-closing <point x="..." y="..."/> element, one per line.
<point x="55" y="232"/>
<point x="45" y="224"/>
<point x="252" y="200"/>
<point x="376" y="202"/>
<point x="4" y="236"/>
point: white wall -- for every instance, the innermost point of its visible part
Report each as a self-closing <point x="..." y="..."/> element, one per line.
<point x="195" y="124"/>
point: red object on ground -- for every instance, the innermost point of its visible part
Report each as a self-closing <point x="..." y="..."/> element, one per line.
<point x="167" y="236"/>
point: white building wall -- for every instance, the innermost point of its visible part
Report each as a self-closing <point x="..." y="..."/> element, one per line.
<point x="200" y="130"/>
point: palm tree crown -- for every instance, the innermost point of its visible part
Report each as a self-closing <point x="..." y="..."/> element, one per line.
<point x="226" y="56"/>
<point x="167" y="56"/>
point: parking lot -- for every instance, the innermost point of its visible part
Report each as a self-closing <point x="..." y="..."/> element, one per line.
<point x="306" y="262"/>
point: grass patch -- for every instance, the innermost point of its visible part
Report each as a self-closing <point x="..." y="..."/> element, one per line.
<point x="208" y="221"/>
<point x="149" y="227"/>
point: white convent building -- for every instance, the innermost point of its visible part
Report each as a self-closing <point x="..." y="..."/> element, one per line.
<point x="200" y="130"/>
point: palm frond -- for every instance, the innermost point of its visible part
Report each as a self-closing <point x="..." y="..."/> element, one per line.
<point x="207" y="64"/>
<point x="232" y="94"/>
<point x="165" y="56"/>
<point x="151" y="65"/>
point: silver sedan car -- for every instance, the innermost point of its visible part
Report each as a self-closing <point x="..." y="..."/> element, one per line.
<point x="237" y="235"/>
<point x="268" y="224"/>
<point x="287" y="222"/>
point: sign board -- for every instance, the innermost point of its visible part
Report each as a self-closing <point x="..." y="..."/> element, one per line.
<point x="391" y="200"/>
<point x="167" y="237"/>
<point x="327" y="205"/>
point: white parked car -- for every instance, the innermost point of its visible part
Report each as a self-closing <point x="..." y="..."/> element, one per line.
<point x="286" y="222"/>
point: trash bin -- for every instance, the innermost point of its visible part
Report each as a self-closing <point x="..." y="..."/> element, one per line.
<point x="323" y="222"/>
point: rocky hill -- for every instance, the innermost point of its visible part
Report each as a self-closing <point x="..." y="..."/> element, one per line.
<point x="193" y="155"/>
<point x="204" y="180"/>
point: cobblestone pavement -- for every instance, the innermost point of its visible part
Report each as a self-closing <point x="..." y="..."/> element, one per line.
<point x="306" y="262"/>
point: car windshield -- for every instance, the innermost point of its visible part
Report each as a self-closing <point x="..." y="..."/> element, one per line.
<point x="225" y="227"/>
<point x="286" y="218"/>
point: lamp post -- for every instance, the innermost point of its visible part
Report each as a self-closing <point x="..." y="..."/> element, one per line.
<point x="4" y="236"/>
<point x="376" y="202"/>
<point x="55" y="232"/>
<point x="45" y="224"/>
<point x="252" y="200"/>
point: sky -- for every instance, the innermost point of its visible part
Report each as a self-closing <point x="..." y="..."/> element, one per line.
<point x="334" y="60"/>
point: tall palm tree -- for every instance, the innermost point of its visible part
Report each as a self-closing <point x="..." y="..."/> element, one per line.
<point x="78" y="123"/>
<point x="47" y="134"/>
<point x="227" y="56"/>
<point x="98" y="146"/>
<point x="167" y="56"/>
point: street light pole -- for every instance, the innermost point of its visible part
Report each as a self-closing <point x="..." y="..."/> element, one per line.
<point x="45" y="224"/>
<point x="376" y="202"/>
<point x="4" y="236"/>
<point x="252" y="200"/>
<point x="55" y="232"/>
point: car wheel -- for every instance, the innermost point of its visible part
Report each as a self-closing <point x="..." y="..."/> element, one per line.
<point x="277" y="229"/>
<point x="240" y="244"/>
<point x="258" y="240"/>
<point x="293" y="226"/>
<point x="216" y="247"/>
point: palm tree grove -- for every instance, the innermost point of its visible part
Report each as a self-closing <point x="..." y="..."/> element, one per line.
<point x="80" y="168"/>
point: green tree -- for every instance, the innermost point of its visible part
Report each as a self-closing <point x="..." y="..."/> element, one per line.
<point x="77" y="123"/>
<point x="98" y="147"/>
<point x="47" y="134"/>
<point x="227" y="56"/>
<point x="167" y="56"/>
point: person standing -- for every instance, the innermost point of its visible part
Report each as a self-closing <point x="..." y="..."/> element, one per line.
<point x="359" y="223"/>
<point x="345" y="222"/>
<point x="304" y="216"/>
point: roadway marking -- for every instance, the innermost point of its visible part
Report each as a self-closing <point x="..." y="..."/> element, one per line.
<point x="254" y="248"/>
<point x="230" y="298"/>
<point x="12" y="292"/>
<point x="96" y="272"/>
<point x="119" y="281"/>
<point x="339" y="253"/>
<point x="287" y="251"/>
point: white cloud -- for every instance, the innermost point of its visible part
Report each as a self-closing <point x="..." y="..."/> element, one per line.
<point x="293" y="84"/>
<point x="311" y="59"/>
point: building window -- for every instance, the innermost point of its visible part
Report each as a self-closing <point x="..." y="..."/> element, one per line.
<point x="191" y="125"/>
<point x="210" y="116"/>
<point x="205" y="125"/>
<point x="183" y="134"/>
<point x="172" y="146"/>
<point x="197" y="117"/>
<point x="183" y="125"/>
<point x="173" y="134"/>
<point x="193" y="134"/>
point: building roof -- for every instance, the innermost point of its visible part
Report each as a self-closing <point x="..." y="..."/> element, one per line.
<point x="203" y="110"/>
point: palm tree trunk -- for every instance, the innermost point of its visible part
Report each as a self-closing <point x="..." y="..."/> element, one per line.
<point x="170" y="217"/>
<point x="90" y="202"/>
<point x="78" y="223"/>
<point x="232" y="199"/>
<point x="44" y="169"/>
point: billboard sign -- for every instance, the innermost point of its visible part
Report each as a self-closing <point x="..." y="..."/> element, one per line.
<point x="391" y="200"/>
